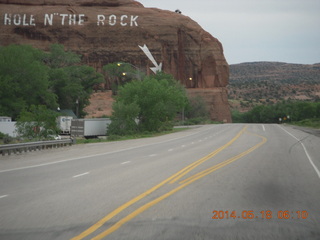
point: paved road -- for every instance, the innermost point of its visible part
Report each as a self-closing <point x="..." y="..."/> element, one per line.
<point x="228" y="181"/>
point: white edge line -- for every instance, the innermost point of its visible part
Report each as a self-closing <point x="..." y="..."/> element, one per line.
<point x="126" y="162"/>
<point x="80" y="175"/>
<point x="96" y="155"/>
<point x="310" y="160"/>
<point x="305" y="150"/>
<point x="264" y="129"/>
<point x="3" y="196"/>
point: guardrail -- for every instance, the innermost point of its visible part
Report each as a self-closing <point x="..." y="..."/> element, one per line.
<point x="33" y="146"/>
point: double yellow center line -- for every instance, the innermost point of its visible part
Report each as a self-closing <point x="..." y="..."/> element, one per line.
<point x="175" y="177"/>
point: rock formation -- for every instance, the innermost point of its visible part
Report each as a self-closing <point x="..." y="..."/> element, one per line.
<point x="106" y="31"/>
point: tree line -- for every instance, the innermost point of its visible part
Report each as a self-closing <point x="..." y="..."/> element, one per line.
<point x="35" y="84"/>
<point x="148" y="105"/>
<point x="55" y="79"/>
<point x="285" y="111"/>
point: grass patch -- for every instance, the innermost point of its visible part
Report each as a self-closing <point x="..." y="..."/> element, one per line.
<point x="312" y="123"/>
<point x="196" y="121"/>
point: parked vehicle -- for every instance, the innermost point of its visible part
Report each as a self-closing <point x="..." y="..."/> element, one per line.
<point x="90" y="127"/>
<point x="64" y="124"/>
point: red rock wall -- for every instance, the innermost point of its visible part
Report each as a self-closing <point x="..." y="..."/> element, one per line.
<point x="110" y="3"/>
<point x="105" y="31"/>
<point x="216" y="99"/>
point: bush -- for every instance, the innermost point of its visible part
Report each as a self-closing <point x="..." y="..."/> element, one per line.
<point x="197" y="108"/>
<point x="153" y="103"/>
<point x="237" y="117"/>
<point x="114" y="137"/>
<point x="195" y="121"/>
<point x="313" y="123"/>
<point x="166" y="126"/>
<point x="37" y="123"/>
<point x="123" y="120"/>
<point x="5" y="138"/>
<point x="296" y="111"/>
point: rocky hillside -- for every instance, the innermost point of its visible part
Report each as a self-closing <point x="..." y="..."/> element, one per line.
<point x="268" y="82"/>
<point x="108" y="31"/>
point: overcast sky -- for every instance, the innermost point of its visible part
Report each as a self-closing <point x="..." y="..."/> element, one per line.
<point x="257" y="30"/>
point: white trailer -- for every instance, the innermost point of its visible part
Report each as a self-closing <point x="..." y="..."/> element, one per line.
<point x="64" y="124"/>
<point x="89" y="127"/>
<point x="9" y="128"/>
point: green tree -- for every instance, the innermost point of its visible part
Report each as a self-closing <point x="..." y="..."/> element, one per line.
<point x="72" y="82"/>
<point x="24" y="80"/>
<point x="59" y="58"/>
<point x="29" y="76"/>
<point x="303" y="110"/>
<point x="296" y="111"/>
<point x="123" y="119"/>
<point x="158" y="97"/>
<point x="267" y="114"/>
<point x="237" y="117"/>
<point x="117" y="74"/>
<point x="37" y="123"/>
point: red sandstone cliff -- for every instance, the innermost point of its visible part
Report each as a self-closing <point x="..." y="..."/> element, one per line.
<point x="105" y="31"/>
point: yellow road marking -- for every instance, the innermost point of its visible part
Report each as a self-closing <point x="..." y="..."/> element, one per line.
<point x="171" y="179"/>
<point x="224" y="163"/>
<point x="135" y="213"/>
<point x="209" y="156"/>
<point x="184" y="183"/>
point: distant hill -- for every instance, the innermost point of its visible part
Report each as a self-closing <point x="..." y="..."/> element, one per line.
<point x="269" y="82"/>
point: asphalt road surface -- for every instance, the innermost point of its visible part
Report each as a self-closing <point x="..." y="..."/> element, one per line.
<point x="230" y="181"/>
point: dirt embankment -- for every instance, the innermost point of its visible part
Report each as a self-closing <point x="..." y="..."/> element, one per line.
<point x="100" y="105"/>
